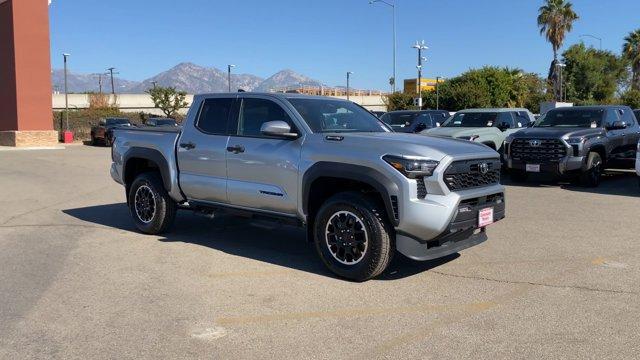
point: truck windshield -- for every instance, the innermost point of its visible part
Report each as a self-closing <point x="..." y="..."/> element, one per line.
<point x="324" y="115"/>
<point x="472" y="119"/>
<point x="401" y="119"/>
<point x="118" y="121"/>
<point x="580" y="118"/>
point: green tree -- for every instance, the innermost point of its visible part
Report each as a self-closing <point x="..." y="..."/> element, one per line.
<point x="631" y="52"/>
<point x="398" y="101"/>
<point x="631" y="98"/>
<point x="555" y="20"/>
<point x="592" y="75"/>
<point x="489" y="87"/>
<point x="168" y="99"/>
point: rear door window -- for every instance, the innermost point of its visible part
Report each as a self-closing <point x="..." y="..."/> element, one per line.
<point x="214" y="115"/>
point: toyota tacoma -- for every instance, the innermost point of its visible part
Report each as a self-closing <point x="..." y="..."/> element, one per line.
<point x="361" y="190"/>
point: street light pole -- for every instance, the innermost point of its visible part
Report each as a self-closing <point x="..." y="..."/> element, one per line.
<point x="66" y="95"/>
<point x="393" y="12"/>
<point x="349" y="73"/>
<point x="229" y="75"/>
<point x="594" y="37"/>
<point x="437" y="93"/>
<point x="419" y="46"/>
<point x="113" y="88"/>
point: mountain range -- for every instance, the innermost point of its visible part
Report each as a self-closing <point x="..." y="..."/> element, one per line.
<point x="186" y="76"/>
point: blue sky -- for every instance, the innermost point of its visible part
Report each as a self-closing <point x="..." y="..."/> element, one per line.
<point x="322" y="39"/>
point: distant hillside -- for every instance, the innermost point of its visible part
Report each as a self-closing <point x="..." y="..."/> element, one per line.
<point x="188" y="77"/>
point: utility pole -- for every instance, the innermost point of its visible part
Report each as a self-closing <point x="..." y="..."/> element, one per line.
<point x="349" y="73"/>
<point x="99" y="75"/>
<point x="419" y="46"/>
<point x="66" y="92"/>
<point x="113" y="88"/>
<point x="155" y="83"/>
<point x="229" y="75"/>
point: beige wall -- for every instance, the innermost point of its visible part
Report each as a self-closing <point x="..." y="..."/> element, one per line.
<point x="142" y="102"/>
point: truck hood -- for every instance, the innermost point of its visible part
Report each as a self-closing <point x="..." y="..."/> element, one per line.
<point x="414" y="145"/>
<point x="556" y="132"/>
<point x="456" y="132"/>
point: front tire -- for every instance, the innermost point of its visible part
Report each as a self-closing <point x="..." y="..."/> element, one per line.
<point x="591" y="177"/>
<point x="352" y="237"/>
<point x="151" y="207"/>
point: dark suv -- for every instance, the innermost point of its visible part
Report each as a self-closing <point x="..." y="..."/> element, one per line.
<point x="414" y="121"/>
<point x="103" y="132"/>
<point x="580" y="141"/>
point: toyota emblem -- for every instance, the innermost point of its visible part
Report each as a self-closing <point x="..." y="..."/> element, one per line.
<point x="484" y="168"/>
<point x="535" y="143"/>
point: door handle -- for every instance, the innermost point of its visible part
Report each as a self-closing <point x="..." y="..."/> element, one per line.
<point x="188" y="145"/>
<point x="235" y="149"/>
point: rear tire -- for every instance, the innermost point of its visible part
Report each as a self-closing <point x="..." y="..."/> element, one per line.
<point x="352" y="237"/>
<point x="151" y="207"/>
<point x="591" y="177"/>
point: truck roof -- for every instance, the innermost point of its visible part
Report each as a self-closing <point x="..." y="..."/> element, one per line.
<point x="270" y="94"/>
<point x="492" y="110"/>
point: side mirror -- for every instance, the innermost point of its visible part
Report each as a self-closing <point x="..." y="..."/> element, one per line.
<point x="504" y="126"/>
<point x="617" y="125"/>
<point x="277" y="128"/>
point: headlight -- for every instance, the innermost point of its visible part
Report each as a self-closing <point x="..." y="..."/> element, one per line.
<point x="575" y="141"/>
<point x="412" y="168"/>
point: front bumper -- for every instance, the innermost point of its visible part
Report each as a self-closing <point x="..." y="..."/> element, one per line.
<point x="459" y="231"/>
<point x="566" y="165"/>
<point x="115" y="175"/>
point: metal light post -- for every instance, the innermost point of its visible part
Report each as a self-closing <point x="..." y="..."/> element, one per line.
<point x="593" y="37"/>
<point x="393" y="8"/>
<point x="66" y="95"/>
<point x="229" y="75"/>
<point x="560" y="67"/>
<point x="437" y="93"/>
<point x="113" y="88"/>
<point x="419" y="46"/>
<point x="349" y="73"/>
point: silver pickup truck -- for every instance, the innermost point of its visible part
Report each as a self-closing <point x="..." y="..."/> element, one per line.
<point x="361" y="190"/>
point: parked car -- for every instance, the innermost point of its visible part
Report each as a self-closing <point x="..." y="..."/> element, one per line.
<point x="577" y="141"/>
<point x="103" y="132"/>
<point x="636" y="112"/>
<point x="378" y="114"/>
<point x="328" y="165"/>
<point x="414" y="121"/>
<point x="161" y="122"/>
<point x="486" y="126"/>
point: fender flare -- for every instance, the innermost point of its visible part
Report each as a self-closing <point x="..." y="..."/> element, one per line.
<point x="385" y="186"/>
<point x="152" y="155"/>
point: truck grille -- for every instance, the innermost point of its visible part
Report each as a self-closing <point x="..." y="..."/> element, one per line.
<point x="422" y="189"/>
<point x="538" y="150"/>
<point x="469" y="174"/>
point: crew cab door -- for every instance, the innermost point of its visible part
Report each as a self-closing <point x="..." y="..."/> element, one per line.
<point x="262" y="171"/>
<point x="632" y="133"/>
<point x="615" y="138"/>
<point x="202" y="151"/>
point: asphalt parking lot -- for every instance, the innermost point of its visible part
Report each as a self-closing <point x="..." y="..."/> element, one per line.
<point x="558" y="278"/>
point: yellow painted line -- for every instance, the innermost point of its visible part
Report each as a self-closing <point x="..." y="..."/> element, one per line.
<point x="352" y="312"/>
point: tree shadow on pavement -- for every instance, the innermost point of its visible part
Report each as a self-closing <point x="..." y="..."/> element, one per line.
<point x="275" y="244"/>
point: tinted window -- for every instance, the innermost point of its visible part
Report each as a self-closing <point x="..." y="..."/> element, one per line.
<point x="256" y="112"/>
<point x="472" y="119"/>
<point x="325" y="115"/>
<point x="117" y="121"/>
<point x="612" y="116"/>
<point x="627" y="117"/>
<point x="402" y="119"/>
<point x="506" y="119"/>
<point x="522" y="118"/>
<point x="571" y="118"/>
<point x="438" y="118"/>
<point x="637" y="114"/>
<point x="214" y="115"/>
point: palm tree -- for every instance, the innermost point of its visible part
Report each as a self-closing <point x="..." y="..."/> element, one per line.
<point x="631" y="51"/>
<point x="555" y="20"/>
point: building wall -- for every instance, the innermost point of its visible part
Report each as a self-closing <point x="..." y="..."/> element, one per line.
<point x="142" y="102"/>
